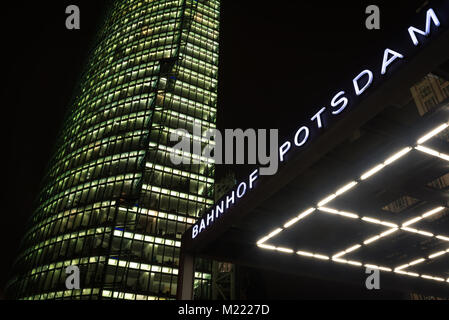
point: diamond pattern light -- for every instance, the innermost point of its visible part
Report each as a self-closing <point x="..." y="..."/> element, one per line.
<point x="391" y="229"/>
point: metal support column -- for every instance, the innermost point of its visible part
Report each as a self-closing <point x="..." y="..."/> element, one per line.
<point x="186" y="276"/>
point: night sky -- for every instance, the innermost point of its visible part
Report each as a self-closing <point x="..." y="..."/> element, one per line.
<point x="279" y="61"/>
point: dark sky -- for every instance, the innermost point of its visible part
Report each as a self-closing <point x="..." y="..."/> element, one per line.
<point x="279" y="61"/>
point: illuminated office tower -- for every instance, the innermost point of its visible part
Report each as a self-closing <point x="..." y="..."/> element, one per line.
<point x="112" y="202"/>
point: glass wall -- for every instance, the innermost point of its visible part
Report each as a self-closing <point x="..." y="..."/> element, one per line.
<point x="112" y="203"/>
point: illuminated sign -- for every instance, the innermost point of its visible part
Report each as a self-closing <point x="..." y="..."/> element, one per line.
<point x="224" y="204"/>
<point x="340" y="101"/>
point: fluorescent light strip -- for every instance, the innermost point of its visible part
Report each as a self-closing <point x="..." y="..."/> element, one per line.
<point x="372" y="171"/>
<point x="327" y="200"/>
<point x="275" y="232"/>
<point x="328" y="210"/>
<point x="339" y="192"/>
<point x="306" y="213"/>
<point x="398" y="155"/>
<point x="412" y="221"/>
<point x="339" y="260"/>
<point x="265" y="246"/>
<point x="291" y="222"/>
<point x="338" y="255"/>
<point x="321" y="257"/>
<point x="269" y="236"/>
<point x="425" y="276"/>
<point x="378" y="267"/>
<point x="412" y="230"/>
<point x="377" y="221"/>
<point x="388" y="232"/>
<point x="407" y="273"/>
<point x="312" y="255"/>
<point x="432" y="133"/>
<point x="443" y="238"/>
<point x="433" y="152"/>
<point x="417" y="262"/>
<point x="423" y="216"/>
<point x="370" y="240"/>
<point x="348" y="214"/>
<point x="380" y="236"/>
<point x="354" y="263"/>
<point x="421" y="260"/>
<point x="285" y="250"/>
<point x="387" y="162"/>
<point x="385" y="269"/>
<point x="350" y="249"/>
<point x="402" y="267"/>
<point x="371" y="220"/>
<point x="427" y="150"/>
<point x="304" y="253"/>
<point x="353" y="248"/>
<point x="424" y="233"/>
<point x="432" y="212"/>
<point x="347" y="187"/>
<point x="435" y="255"/>
<point x="340" y="213"/>
<point x="299" y="217"/>
<point x="409" y="229"/>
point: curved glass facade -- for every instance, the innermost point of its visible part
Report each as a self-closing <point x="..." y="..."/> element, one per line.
<point x="112" y="202"/>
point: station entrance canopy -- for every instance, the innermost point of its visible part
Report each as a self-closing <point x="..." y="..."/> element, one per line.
<point x="366" y="190"/>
